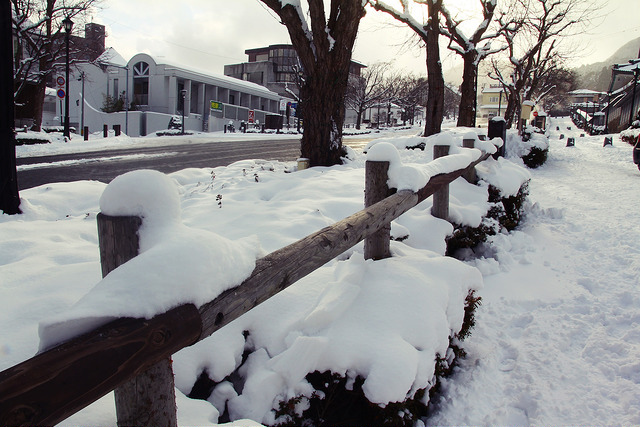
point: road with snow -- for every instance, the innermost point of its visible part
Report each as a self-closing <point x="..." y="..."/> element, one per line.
<point x="557" y="340"/>
<point x="107" y="164"/>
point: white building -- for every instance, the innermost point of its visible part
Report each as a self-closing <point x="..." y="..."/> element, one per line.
<point x="156" y="92"/>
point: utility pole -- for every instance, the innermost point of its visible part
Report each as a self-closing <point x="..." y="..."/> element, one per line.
<point x="9" y="197"/>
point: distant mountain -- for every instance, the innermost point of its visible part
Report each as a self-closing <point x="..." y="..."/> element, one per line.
<point x="597" y="76"/>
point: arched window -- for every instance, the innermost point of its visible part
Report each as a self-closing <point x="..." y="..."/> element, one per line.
<point x="141" y="83"/>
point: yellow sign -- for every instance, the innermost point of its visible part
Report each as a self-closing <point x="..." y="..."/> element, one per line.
<point x="216" y="106"/>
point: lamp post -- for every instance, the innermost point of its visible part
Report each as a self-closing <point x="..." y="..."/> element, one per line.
<point x="68" y="25"/>
<point x="183" y="92"/>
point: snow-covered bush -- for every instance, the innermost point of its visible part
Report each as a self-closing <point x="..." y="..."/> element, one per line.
<point x="631" y="135"/>
<point x="28" y="138"/>
<point x="532" y="147"/>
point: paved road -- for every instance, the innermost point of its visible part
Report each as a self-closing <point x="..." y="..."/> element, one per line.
<point x="105" y="165"/>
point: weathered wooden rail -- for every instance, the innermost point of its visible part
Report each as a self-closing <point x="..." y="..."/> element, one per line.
<point x="132" y="355"/>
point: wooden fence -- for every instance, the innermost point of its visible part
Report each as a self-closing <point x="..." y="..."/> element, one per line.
<point x="132" y="356"/>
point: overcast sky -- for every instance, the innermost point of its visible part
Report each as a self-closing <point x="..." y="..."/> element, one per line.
<point x="207" y="34"/>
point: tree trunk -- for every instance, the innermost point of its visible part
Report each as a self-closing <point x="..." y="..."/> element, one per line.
<point x="9" y="196"/>
<point x="323" y="97"/>
<point x="359" y="118"/>
<point x="466" y="110"/>
<point x="38" y="104"/>
<point x="324" y="48"/>
<point x="511" y="112"/>
<point x="435" y="94"/>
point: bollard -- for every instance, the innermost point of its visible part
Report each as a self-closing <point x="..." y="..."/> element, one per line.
<point x="86" y="133"/>
<point x="440" y="208"/>
<point x="105" y="131"/>
<point x="377" y="246"/>
<point x="116" y="129"/>
<point x="498" y="129"/>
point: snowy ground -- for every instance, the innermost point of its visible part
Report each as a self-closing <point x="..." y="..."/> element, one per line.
<point x="557" y="339"/>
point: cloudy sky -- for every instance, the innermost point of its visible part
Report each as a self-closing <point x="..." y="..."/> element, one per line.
<point x="207" y="34"/>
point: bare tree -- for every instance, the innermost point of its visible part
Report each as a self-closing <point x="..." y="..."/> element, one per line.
<point x="369" y="89"/>
<point x="473" y="50"/>
<point x="533" y="38"/>
<point x="37" y="27"/>
<point x="553" y="89"/>
<point x="429" y="32"/>
<point x="410" y="93"/>
<point x="324" y="46"/>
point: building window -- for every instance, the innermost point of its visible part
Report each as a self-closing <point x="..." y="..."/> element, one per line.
<point x="232" y="99"/>
<point x="115" y="89"/>
<point x="141" y="83"/>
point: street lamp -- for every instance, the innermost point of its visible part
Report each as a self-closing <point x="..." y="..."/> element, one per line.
<point x="68" y="24"/>
<point x="183" y="92"/>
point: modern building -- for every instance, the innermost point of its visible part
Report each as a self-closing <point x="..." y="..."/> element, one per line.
<point x="156" y="92"/>
<point x="277" y="67"/>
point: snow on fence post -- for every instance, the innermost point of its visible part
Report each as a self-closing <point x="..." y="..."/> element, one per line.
<point x="470" y="175"/>
<point x="376" y="189"/>
<point x="440" y="208"/>
<point x="148" y="399"/>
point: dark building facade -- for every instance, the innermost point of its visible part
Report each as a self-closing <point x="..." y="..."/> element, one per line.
<point x="275" y="67"/>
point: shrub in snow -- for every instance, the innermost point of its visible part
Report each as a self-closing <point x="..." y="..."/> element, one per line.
<point x="631" y="135"/>
<point x="532" y="147"/>
<point x="29" y="138"/>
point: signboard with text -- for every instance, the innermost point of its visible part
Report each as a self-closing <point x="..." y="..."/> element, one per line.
<point x="216" y="106"/>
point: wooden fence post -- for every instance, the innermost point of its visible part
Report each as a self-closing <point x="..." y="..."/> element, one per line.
<point x="376" y="246"/>
<point x="148" y="399"/>
<point x="440" y="207"/>
<point x="470" y="175"/>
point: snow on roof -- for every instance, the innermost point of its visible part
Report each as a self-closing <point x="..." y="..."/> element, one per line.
<point x="493" y="90"/>
<point x="629" y="68"/>
<point x="111" y="56"/>
<point x="584" y="92"/>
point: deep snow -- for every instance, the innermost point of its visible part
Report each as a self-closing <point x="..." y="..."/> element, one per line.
<point x="556" y="340"/>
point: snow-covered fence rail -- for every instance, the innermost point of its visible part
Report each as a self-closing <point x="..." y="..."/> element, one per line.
<point x="130" y="355"/>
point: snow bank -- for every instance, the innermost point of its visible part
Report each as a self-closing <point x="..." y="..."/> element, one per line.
<point x="176" y="265"/>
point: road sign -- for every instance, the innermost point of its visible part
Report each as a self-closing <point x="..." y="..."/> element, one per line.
<point x="216" y="106"/>
<point x="61" y="93"/>
<point x="252" y="116"/>
<point x="535" y="114"/>
<point x="60" y="80"/>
